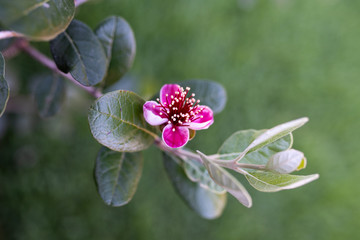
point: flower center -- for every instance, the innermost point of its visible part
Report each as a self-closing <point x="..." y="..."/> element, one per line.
<point x="180" y="109"/>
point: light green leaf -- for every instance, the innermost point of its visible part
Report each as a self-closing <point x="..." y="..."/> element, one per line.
<point x="79" y="51"/>
<point x="273" y="134"/>
<point x="4" y="87"/>
<point x="203" y="201"/>
<point x="227" y="181"/>
<point x="117" y="175"/>
<point x="238" y="142"/>
<point x="49" y="94"/>
<point x="37" y="19"/>
<point x="117" y="122"/>
<point x="196" y="172"/>
<point x="273" y="182"/>
<point x="210" y="93"/>
<point x="118" y="41"/>
<point x="286" y="161"/>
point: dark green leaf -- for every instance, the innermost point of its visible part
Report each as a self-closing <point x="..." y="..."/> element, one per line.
<point x="37" y="19"/>
<point x="79" y="51"/>
<point x="273" y="182"/>
<point x="239" y="141"/>
<point x="117" y="122"/>
<point x="118" y="41"/>
<point x="227" y="181"/>
<point x="49" y="94"/>
<point x="117" y="175"/>
<point x="4" y="87"/>
<point x="210" y="93"/>
<point x="203" y="201"/>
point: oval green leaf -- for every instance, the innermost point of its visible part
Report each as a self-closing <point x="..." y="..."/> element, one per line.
<point x="4" y="87"/>
<point x="210" y="93"/>
<point x="239" y="141"/>
<point x="203" y="201"/>
<point x="117" y="175"/>
<point x="227" y="181"/>
<point x="79" y="51"/>
<point x="38" y="20"/>
<point x="117" y="122"/>
<point x="273" y="134"/>
<point x="49" y="94"/>
<point x="117" y="38"/>
<point x="273" y="182"/>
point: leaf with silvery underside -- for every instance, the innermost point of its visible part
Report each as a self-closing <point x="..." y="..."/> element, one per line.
<point x="208" y="204"/>
<point x="118" y="41"/>
<point x="196" y="172"/>
<point x="79" y="51"/>
<point x="273" y="182"/>
<point x="117" y="175"/>
<point x="227" y="181"/>
<point x="4" y="87"/>
<point x="210" y="93"/>
<point x="37" y="19"/>
<point x="116" y="121"/>
<point x="49" y="94"/>
<point x="239" y="141"/>
<point x="273" y="134"/>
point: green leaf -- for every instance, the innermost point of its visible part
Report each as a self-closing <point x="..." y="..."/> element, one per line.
<point x="117" y="175"/>
<point x="117" y="122"/>
<point x="203" y="201"/>
<point x="239" y="141"/>
<point x="273" y="134"/>
<point x="211" y="94"/>
<point x="227" y="181"/>
<point x="196" y="172"/>
<point x="37" y="19"/>
<point x="79" y="51"/>
<point x="4" y="87"/>
<point x="273" y="182"/>
<point x="49" y="94"/>
<point x="118" y="41"/>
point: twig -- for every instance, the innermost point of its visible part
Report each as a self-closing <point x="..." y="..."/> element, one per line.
<point x="79" y="2"/>
<point x="47" y="62"/>
<point x="9" y="34"/>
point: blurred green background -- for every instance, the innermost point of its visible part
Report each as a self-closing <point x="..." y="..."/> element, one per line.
<point x="278" y="59"/>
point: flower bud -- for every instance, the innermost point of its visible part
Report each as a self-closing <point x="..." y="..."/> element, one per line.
<point x="286" y="161"/>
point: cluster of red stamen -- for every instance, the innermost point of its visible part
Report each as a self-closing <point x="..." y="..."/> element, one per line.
<point x="179" y="109"/>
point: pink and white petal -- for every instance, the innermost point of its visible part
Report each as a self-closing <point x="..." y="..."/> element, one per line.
<point x="169" y="89"/>
<point x="203" y="120"/>
<point x="177" y="138"/>
<point x="152" y="113"/>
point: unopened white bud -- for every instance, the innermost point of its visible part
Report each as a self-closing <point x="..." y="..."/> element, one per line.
<point x="286" y="161"/>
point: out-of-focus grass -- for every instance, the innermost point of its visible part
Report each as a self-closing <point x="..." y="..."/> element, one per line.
<point x="278" y="60"/>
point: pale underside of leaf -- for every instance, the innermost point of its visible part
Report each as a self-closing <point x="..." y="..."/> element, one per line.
<point x="227" y="181"/>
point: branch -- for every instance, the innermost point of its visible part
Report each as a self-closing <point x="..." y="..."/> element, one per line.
<point x="9" y="34"/>
<point x="47" y="62"/>
<point x="79" y="2"/>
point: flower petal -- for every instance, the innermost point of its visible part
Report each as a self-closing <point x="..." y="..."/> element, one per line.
<point x="152" y="114"/>
<point x="169" y="89"/>
<point x="177" y="138"/>
<point x="203" y="120"/>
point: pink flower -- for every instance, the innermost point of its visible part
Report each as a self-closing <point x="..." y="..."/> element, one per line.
<point x="177" y="113"/>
